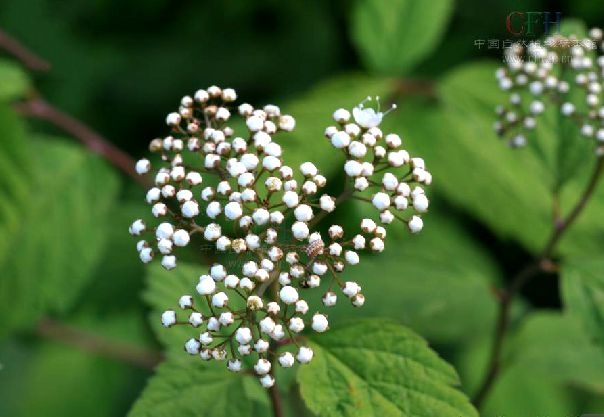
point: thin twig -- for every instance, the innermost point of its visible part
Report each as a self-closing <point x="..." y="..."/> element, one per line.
<point x="41" y="109"/>
<point x="98" y="345"/>
<point x="543" y="264"/>
<point x="30" y="60"/>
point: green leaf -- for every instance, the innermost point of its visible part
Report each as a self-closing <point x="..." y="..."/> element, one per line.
<point x="14" y="83"/>
<point x="56" y="227"/>
<point x="583" y="294"/>
<point x="379" y="368"/>
<point x="555" y="346"/>
<point x="517" y="390"/>
<point x="185" y="386"/>
<point x="393" y="36"/>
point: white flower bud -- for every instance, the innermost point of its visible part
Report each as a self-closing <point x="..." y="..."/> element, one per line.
<point x="206" y="285"/>
<point x="305" y="354"/>
<point x="308" y="169"/>
<point x="415" y="224"/>
<point x="329" y="299"/>
<point x="267" y="381"/>
<point x="340" y="139"/>
<point x="286" y="360"/>
<point x="351" y="257"/>
<point x="195" y="319"/>
<point x="142" y="166"/>
<point x="301" y="307"/>
<point x="300" y="230"/>
<point x="220" y="299"/>
<point x="288" y="294"/>
<point x="243" y="335"/>
<point x="320" y="323"/>
<point x="168" y="318"/>
<point x="137" y="227"/>
<point x="192" y="346"/>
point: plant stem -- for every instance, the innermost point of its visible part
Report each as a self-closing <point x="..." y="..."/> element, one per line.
<point x="541" y="264"/>
<point x="276" y="402"/>
<point x="98" y="345"/>
<point x="30" y="60"/>
<point x="273" y="391"/>
<point x="41" y="109"/>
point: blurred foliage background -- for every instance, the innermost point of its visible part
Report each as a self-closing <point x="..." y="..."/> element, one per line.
<point x="70" y="278"/>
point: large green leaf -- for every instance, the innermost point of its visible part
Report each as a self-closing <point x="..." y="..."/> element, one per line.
<point x="508" y="190"/>
<point x="517" y="390"/>
<point x="555" y="346"/>
<point x="583" y="293"/>
<point x="393" y="36"/>
<point x="379" y="368"/>
<point x="185" y="386"/>
<point x="54" y="228"/>
<point x="14" y="83"/>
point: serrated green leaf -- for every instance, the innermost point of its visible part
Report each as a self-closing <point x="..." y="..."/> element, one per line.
<point x="379" y="368"/>
<point x="185" y="386"/>
<point x="393" y="36"/>
<point x="57" y="229"/>
<point x="14" y="82"/>
<point x="583" y="294"/>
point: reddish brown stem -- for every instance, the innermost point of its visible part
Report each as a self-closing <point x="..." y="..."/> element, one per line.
<point x="27" y="58"/>
<point x="41" y="109"/>
<point x="98" y="345"/>
<point x="543" y="263"/>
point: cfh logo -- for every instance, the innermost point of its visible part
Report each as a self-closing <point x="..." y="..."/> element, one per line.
<point x="531" y="23"/>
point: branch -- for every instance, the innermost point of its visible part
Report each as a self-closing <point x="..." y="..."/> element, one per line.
<point x="27" y="58"/>
<point x="100" y="346"/>
<point x="40" y="109"/>
<point x="542" y="264"/>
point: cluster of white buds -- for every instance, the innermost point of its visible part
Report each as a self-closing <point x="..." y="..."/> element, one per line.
<point x="565" y="73"/>
<point x="236" y="195"/>
<point x="376" y="162"/>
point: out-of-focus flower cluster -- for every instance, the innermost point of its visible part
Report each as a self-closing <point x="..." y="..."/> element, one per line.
<point x="236" y="194"/>
<point x="565" y="73"/>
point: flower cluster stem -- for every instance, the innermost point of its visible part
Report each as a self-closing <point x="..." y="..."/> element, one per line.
<point x="542" y="264"/>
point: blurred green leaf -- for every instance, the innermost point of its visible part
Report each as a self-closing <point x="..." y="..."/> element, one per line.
<point x="583" y="294"/>
<point x="555" y="346"/>
<point x="518" y="391"/>
<point x="416" y="280"/>
<point x="392" y="36"/>
<point x="14" y="82"/>
<point x="379" y="368"/>
<point x="185" y="386"/>
<point x="506" y="189"/>
<point x="56" y="231"/>
<point x="37" y="379"/>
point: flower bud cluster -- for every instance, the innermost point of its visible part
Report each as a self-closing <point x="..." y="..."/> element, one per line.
<point x="236" y="194"/>
<point x="565" y="74"/>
